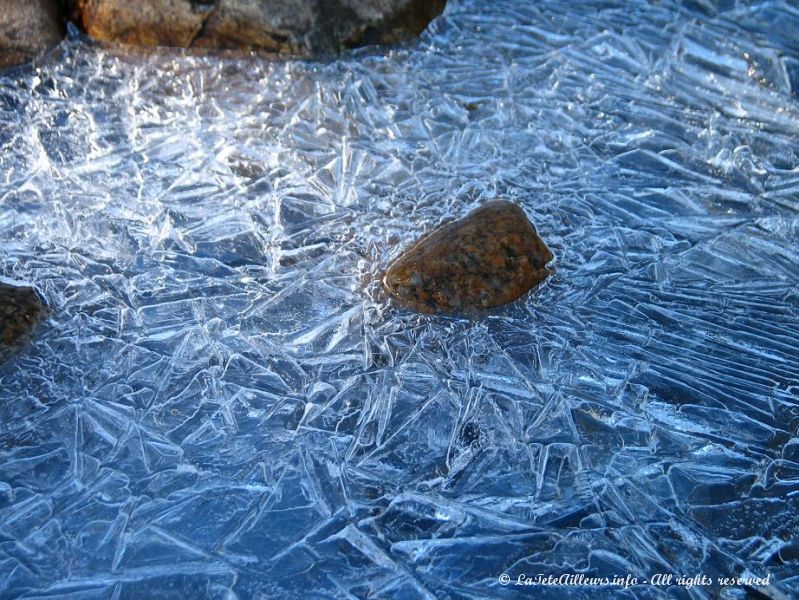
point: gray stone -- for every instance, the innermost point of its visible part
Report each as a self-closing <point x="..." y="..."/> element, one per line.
<point x="28" y="28"/>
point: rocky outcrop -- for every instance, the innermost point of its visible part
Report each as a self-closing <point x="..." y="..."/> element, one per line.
<point x="488" y="258"/>
<point x="299" y="27"/>
<point x="28" y="28"/>
<point x="21" y="311"/>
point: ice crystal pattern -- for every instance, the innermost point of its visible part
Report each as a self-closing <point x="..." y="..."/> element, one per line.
<point x="223" y="405"/>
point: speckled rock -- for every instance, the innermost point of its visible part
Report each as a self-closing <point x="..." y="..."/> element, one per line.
<point x="488" y="258"/>
<point x="298" y="27"/>
<point x="21" y="310"/>
<point x="28" y="28"/>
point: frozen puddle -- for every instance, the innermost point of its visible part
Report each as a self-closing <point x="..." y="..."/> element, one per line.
<point x="222" y="406"/>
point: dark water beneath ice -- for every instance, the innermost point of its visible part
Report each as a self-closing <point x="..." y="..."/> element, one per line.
<point x="223" y="406"/>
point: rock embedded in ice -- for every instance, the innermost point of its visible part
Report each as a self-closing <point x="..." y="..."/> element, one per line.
<point x="21" y="310"/>
<point x="27" y="29"/>
<point x="301" y="27"/>
<point x="488" y="258"/>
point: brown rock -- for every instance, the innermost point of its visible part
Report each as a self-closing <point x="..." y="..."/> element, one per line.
<point x="142" y="22"/>
<point x="301" y="27"/>
<point x="271" y="25"/>
<point x="21" y="310"/>
<point x="28" y="28"/>
<point x="488" y="258"/>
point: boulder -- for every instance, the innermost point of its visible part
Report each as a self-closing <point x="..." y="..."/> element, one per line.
<point x="298" y="27"/>
<point x="488" y="258"/>
<point x="28" y="28"/>
<point x="142" y="22"/>
<point x="21" y="311"/>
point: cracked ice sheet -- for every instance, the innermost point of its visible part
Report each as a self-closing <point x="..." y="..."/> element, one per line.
<point x="222" y="405"/>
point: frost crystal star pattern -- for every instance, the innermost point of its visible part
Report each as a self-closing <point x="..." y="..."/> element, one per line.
<point x="220" y="404"/>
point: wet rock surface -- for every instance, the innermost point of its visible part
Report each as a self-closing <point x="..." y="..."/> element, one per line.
<point x="28" y="28"/>
<point x="490" y="257"/>
<point x="299" y="27"/>
<point x="21" y="311"/>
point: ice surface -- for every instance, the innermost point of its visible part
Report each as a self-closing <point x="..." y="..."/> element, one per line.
<point x="222" y="405"/>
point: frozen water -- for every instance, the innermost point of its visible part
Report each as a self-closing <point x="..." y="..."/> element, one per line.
<point x="222" y="404"/>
